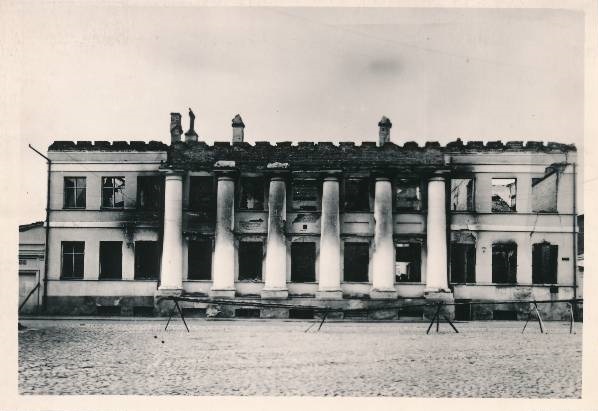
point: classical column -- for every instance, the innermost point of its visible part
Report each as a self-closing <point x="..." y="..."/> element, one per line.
<point x="276" y="248"/>
<point x="223" y="284"/>
<point x="171" y="270"/>
<point x="383" y="260"/>
<point x="436" y="275"/>
<point x="330" y="244"/>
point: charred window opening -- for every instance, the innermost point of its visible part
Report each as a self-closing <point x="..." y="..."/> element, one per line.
<point x="462" y="194"/>
<point x="303" y="262"/>
<point x="150" y="192"/>
<point x="504" y="195"/>
<point x="504" y="263"/>
<point x="147" y="260"/>
<point x="305" y="195"/>
<point x="462" y="263"/>
<point x="252" y="193"/>
<point x="356" y="260"/>
<point x="544" y="193"/>
<point x="357" y="194"/>
<point x="113" y="192"/>
<point x="199" y="260"/>
<point x="544" y="263"/>
<point x="111" y="255"/>
<point x="250" y="260"/>
<point x="408" y="262"/>
<point x="73" y="256"/>
<point x="407" y="194"/>
<point x="74" y="192"/>
<point x="202" y="194"/>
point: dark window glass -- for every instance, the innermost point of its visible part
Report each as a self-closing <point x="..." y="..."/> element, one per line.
<point x="150" y="192"/>
<point x="544" y="263"/>
<point x="407" y="195"/>
<point x="113" y="192"/>
<point x="504" y="263"/>
<point x="202" y="194"/>
<point x="408" y="262"/>
<point x="73" y="255"/>
<point x="504" y="195"/>
<point x="462" y="263"/>
<point x="356" y="260"/>
<point x="250" y="260"/>
<point x="357" y="195"/>
<point x="147" y="260"/>
<point x="303" y="262"/>
<point x="111" y="259"/>
<point x="200" y="260"/>
<point x="305" y="195"/>
<point x="462" y="194"/>
<point x="74" y="192"/>
<point x="252" y="193"/>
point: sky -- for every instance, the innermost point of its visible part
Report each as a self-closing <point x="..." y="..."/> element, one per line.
<point x="116" y="72"/>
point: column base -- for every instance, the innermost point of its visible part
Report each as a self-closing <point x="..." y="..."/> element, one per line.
<point x="384" y="294"/>
<point x="168" y="292"/>
<point x="275" y="294"/>
<point x="329" y="295"/>
<point x="222" y="293"/>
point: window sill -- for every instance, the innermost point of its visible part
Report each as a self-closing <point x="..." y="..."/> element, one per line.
<point x="72" y="279"/>
<point x="74" y="208"/>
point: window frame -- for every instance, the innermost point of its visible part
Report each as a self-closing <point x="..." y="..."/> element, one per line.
<point x="516" y="251"/>
<point x="312" y="266"/>
<point x="260" y="265"/>
<point x="136" y="274"/>
<point x="470" y="207"/>
<point x="514" y="209"/>
<point x="114" y="191"/>
<point x="160" y="201"/>
<point x="419" y="263"/>
<point x="192" y="204"/>
<point x="368" y="190"/>
<point x="418" y="184"/>
<point x="241" y="192"/>
<point x="555" y="268"/>
<point x="318" y="186"/>
<point x="366" y="245"/>
<point x="75" y="188"/>
<point x="103" y="277"/>
<point x="193" y="276"/>
<point x="466" y="277"/>
<point x="73" y="254"/>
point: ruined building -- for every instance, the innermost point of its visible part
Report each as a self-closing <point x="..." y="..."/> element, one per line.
<point x="343" y="225"/>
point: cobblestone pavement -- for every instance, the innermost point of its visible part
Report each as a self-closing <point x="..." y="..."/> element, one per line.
<point x="253" y="357"/>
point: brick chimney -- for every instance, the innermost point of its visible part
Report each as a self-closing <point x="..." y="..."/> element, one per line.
<point x="191" y="135"/>
<point x="238" y="129"/>
<point x="384" y="133"/>
<point x="175" y="127"/>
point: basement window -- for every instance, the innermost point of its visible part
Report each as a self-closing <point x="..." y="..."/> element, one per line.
<point x="462" y="194"/>
<point x="408" y="262"/>
<point x="199" y="260"/>
<point x="73" y="256"/>
<point x="150" y="192"/>
<point x="544" y="193"/>
<point x="250" y="260"/>
<point x="202" y="194"/>
<point x="504" y="195"/>
<point x="356" y="260"/>
<point x="462" y="263"/>
<point x="111" y="260"/>
<point x="252" y="193"/>
<point x="74" y="192"/>
<point x="544" y="263"/>
<point x="303" y="262"/>
<point x="305" y="195"/>
<point x="113" y="195"/>
<point x="147" y="260"/>
<point x="407" y="194"/>
<point x="504" y="263"/>
<point x="357" y="195"/>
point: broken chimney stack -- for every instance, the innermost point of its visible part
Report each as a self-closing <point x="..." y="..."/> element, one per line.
<point x="191" y="135"/>
<point x="175" y="127"/>
<point x="238" y="129"/>
<point x="384" y="133"/>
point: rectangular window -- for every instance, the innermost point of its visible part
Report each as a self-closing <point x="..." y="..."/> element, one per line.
<point x="111" y="253"/>
<point x="305" y="195"/>
<point x="408" y="262"/>
<point x="504" y="263"/>
<point x="252" y="193"/>
<point x="462" y="263"/>
<point x="250" y="260"/>
<point x="74" y="192"/>
<point x="407" y="194"/>
<point x="544" y="263"/>
<point x="147" y="260"/>
<point x="357" y="194"/>
<point x="199" y="260"/>
<point x="462" y="194"/>
<point x="356" y="261"/>
<point x="73" y="256"/>
<point x="504" y="195"/>
<point x="150" y="191"/>
<point x="544" y="193"/>
<point x="113" y="192"/>
<point x="202" y="194"/>
<point x="303" y="262"/>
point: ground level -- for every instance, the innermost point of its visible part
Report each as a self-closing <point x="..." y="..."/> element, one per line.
<point x="276" y="357"/>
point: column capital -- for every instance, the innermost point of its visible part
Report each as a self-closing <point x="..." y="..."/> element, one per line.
<point x="439" y="175"/>
<point x="331" y="175"/>
<point x="169" y="172"/>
